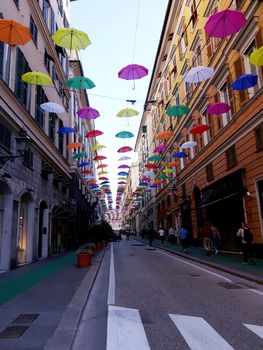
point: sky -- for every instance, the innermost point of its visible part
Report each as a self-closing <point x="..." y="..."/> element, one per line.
<point x="121" y="32"/>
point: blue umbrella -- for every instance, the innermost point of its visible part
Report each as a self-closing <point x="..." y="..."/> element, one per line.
<point x="123" y="173"/>
<point x="143" y="184"/>
<point x="244" y="81"/>
<point x="180" y="155"/>
<point x="105" y="182"/>
<point x="153" y="186"/>
<point x="65" y="130"/>
<point x="81" y="165"/>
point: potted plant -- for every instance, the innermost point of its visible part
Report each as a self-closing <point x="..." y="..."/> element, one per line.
<point x="84" y="257"/>
<point x="91" y="246"/>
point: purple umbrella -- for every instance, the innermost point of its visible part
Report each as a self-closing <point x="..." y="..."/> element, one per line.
<point x="123" y="166"/>
<point x="132" y="72"/>
<point x="218" y="108"/>
<point x="88" y="113"/>
<point x="160" y="148"/>
<point x="225" y="23"/>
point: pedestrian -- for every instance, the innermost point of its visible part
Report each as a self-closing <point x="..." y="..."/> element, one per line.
<point x="161" y="235"/>
<point x="207" y="237"/>
<point x="183" y="234"/>
<point x="151" y="236"/>
<point x="172" y="235"/>
<point x="215" y="238"/>
<point x="246" y="236"/>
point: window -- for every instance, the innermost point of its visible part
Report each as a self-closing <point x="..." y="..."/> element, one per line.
<point x="52" y="127"/>
<point x="21" y="88"/>
<point x="39" y="113"/>
<point x="28" y="159"/>
<point x="251" y="68"/>
<point x="239" y="70"/>
<point x="5" y="137"/>
<point x="193" y="13"/>
<point x="197" y="50"/>
<point x="33" y="30"/>
<point x="5" y="57"/>
<point x="231" y="158"/>
<point x="60" y="138"/>
<point x="259" y="137"/>
<point x="212" y="44"/>
<point x="224" y="97"/>
<point x="52" y="22"/>
<point x="45" y="8"/>
<point x="209" y="172"/>
<point x="183" y="41"/>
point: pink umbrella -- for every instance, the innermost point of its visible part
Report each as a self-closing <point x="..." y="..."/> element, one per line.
<point x="132" y="72"/>
<point x="123" y="166"/>
<point x="88" y="113"/>
<point x="160" y="148"/>
<point x="124" y="149"/>
<point x="225" y="23"/>
<point x="218" y="108"/>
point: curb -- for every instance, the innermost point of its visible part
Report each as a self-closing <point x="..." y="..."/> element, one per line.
<point x="64" y="335"/>
<point x="210" y="264"/>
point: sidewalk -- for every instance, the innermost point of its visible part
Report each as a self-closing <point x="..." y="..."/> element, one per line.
<point x="227" y="262"/>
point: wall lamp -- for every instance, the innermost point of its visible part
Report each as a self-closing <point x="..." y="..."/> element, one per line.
<point x="22" y="146"/>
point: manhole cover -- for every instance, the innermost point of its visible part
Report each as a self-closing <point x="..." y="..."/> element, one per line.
<point x="229" y="285"/>
<point x="13" y="332"/>
<point x="137" y="245"/>
<point x="25" y="318"/>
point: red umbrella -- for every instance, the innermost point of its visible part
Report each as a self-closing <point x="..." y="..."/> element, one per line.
<point x="150" y="166"/>
<point x="103" y="178"/>
<point x="122" y="183"/>
<point x="99" y="158"/>
<point x="87" y="172"/>
<point x="124" y="149"/>
<point x="94" y="133"/>
<point x="199" y="129"/>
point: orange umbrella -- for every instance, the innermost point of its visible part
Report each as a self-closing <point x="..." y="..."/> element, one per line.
<point x="14" y="33"/>
<point x="164" y="135"/>
<point x="73" y="145"/>
<point x="101" y="166"/>
<point x="173" y="164"/>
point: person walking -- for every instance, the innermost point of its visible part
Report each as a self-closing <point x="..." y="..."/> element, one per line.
<point x="172" y="235"/>
<point x="150" y="236"/>
<point x="215" y="238"/>
<point x="183" y="234"/>
<point x="161" y="235"/>
<point x="207" y="236"/>
<point x="246" y="236"/>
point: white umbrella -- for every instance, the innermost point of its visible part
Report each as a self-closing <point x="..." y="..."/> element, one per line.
<point x="188" y="144"/>
<point x="52" y="107"/>
<point x="124" y="158"/>
<point x="198" y="74"/>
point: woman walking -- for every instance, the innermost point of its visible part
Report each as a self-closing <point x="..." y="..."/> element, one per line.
<point x="215" y="238"/>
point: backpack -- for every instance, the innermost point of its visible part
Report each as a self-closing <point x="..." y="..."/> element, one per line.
<point x="248" y="237"/>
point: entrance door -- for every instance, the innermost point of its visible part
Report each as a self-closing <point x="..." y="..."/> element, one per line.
<point x="22" y="238"/>
<point x="260" y="195"/>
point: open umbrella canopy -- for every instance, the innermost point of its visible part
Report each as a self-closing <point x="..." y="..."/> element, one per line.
<point x="198" y="74"/>
<point x="103" y="178"/>
<point x="123" y="173"/>
<point x="97" y="147"/>
<point x="162" y="177"/>
<point x="188" y="144"/>
<point x="81" y="83"/>
<point x="124" y="158"/>
<point x="143" y="183"/>
<point x="173" y="164"/>
<point x="154" y="185"/>
<point x="177" y="110"/>
<point x="122" y="183"/>
<point x="80" y="155"/>
<point x="155" y="158"/>
<point x="73" y="145"/>
<point x="124" y="134"/>
<point x="132" y="72"/>
<point x="83" y="164"/>
<point x="14" y="33"/>
<point x="88" y="113"/>
<point x="179" y="155"/>
<point x="105" y="182"/>
<point x="101" y="166"/>
<point x="256" y="57"/>
<point x="150" y="166"/>
<point x="97" y="158"/>
<point x="244" y="81"/>
<point x="225" y="23"/>
<point x="87" y="172"/>
<point x="52" y="107"/>
<point x="36" y="78"/>
<point x="128" y="112"/>
<point x="71" y="38"/>
<point x="167" y="171"/>
<point x="199" y="129"/>
<point x="160" y="148"/>
<point x="218" y="108"/>
<point x="122" y="178"/>
<point x="165" y="135"/>
<point x="124" y="149"/>
<point x="94" y="133"/>
<point x="103" y="172"/>
<point x="123" y="166"/>
<point x="65" y="130"/>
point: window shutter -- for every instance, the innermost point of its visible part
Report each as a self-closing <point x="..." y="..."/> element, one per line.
<point x="259" y="137"/>
<point x="259" y="43"/>
<point x="2" y="48"/>
<point x="239" y="70"/>
<point x="208" y="46"/>
<point x="185" y="35"/>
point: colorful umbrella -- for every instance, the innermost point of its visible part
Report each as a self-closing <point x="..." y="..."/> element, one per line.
<point x="97" y="158"/>
<point x="198" y="74"/>
<point x="177" y="110"/>
<point x="199" y="129"/>
<point x="123" y="173"/>
<point x="65" y="130"/>
<point x="150" y="166"/>
<point x="36" y="78"/>
<point x="122" y="178"/>
<point x="52" y="107"/>
<point x="87" y="172"/>
<point x="124" y="149"/>
<point x="103" y="178"/>
<point x="101" y="166"/>
<point x="80" y="155"/>
<point x="81" y="83"/>
<point x="173" y="164"/>
<point x="154" y="186"/>
<point x="160" y="148"/>
<point x="124" y="158"/>
<point x="162" y="177"/>
<point x="143" y="183"/>
<point x="179" y="155"/>
<point x="128" y="112"/>
<point x="14" y="33"/>
<point x="132" y="72"/>
<point x="124" y="134"/>
<point x="122" y="183"/>
<point x="167" y="171"/>
<point x="88" y="113"/>
<point x="218" y="108"/>
<point x="94" y="133"/>
<point x="155" y="158"/>
<point x="164" y="135"/>
<point x="244" y="81"/>
<point x="102" y="172"/>
<point x="105" y="182"/>
<point x="123" y="166"/>
<point x="97" y="147"/>
<point x="188" y="144"/>
<point x="71" y="39"/>
<point x="83" y="164"/>
<point x="256" y="57"/>
<point x="225" y="23"/>
<point x="73" y="145"/>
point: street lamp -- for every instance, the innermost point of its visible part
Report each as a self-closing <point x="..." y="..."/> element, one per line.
<point x="22" y="146"/>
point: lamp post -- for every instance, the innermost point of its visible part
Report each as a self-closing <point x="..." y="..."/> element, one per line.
<point x="22" y="146"/>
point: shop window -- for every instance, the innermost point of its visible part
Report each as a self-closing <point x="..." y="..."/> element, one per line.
<point x="5" y="137"/>
<point x="209" y="172"/>
<point x="231" y="158"/>
<point x="33" y="30"/>
<point x="259" y="137"/>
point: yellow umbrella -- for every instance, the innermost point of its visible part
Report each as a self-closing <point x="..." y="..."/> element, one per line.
<point x="36" y="78"/>
<point x="103" y="172"/>
<point x="71" y="38"/>
<point x="256" y="57"/>
<point x="167" y="171"/>
<point x="97" y="147"/>
<point x="128" y="112"/>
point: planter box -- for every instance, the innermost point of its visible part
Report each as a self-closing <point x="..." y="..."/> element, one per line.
<point x="84" y="260"/>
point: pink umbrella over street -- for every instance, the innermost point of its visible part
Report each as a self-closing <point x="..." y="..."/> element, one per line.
<point x="225" y="23"/>
<point x="124" y="149"/>
<point x="123" y="166"/>
<point x="218" y="108"/>
<point x="132" y="72"/>
<point x="88" y="113"/>
<point x="160" y="148"/>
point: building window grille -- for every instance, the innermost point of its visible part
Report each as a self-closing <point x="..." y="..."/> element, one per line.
<point x="231" y="158"/>
<point x="5" y="137"/>
<point x="33" y="30"/>
<point x="209" y="172"/>
<point x="259" y="137"/>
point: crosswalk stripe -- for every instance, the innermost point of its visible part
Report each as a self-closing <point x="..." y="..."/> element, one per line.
<point x="198" y="334"/>
<point x="125" y="330"/>
<point x="258" y="330"/>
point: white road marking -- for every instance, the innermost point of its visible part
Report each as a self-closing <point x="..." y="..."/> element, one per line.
<point x="258" y="330"/>
<point x="198" y="334"/>
<point x="255" y="291"/>
<point x="111" y="290"/>
<point x="195" y="266"/>
<point x="125" y="330"/>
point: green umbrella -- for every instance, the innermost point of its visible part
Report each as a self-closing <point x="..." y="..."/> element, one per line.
<point x="162" y="177"/>
<point x="80" y="83"/>
<point x="124" y="134"/>
<point x="177" y="110"/>
<point x="155" y="157"/>
<point x="80" y="155"/>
